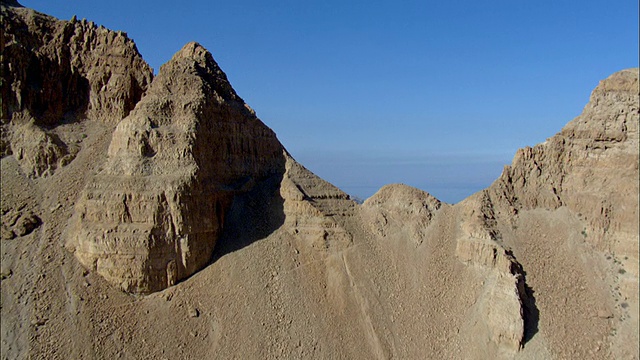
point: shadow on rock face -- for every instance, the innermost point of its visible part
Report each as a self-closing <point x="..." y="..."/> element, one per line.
<point x="531" y="314"/>
<point x="253" y="216"/>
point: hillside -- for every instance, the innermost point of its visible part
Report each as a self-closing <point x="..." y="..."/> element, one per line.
<point x="150" y="217"/>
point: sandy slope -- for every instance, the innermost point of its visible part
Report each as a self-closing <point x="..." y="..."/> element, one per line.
<point x="543" y="264"/>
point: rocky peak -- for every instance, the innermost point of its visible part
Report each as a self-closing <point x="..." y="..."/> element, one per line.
<point x="194" y="59"/>
<point x="101" y="68"/>
<point x="397" y="204"/>
<point x="624" y="82"/>
<point x="518" y="270"/>
<point x="194" y="51"/>
<point x="586" y="168"/>
<point x="601" y="141"/>
<point x="174" y="167"/>
<point x="60" y="73"/>
<point x="606" y="117"/>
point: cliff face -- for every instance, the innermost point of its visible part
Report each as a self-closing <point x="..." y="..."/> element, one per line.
<point x="570" y="206"/>
<point x="172" y="188"/>
<point x="152" y="215"/>
<point x="60" y="72"/>
<point x="586" y="167"/>
<point x="72" y="68"/>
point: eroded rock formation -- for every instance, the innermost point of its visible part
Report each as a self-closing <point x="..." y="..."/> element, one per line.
<point x="59" y="72"/>
<point x="586" y="166"/>
<point x="588" y="170"/>
<point x="152" y="216"/>
<point x="149" y="182"/>
<point x="400" y="210"/>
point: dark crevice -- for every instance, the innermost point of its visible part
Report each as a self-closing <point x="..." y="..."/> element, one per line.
<point x="253" y="216"/>
<point x="530" y="312"/>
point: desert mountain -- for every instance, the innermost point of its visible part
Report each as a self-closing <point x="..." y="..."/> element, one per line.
<point x="157" y="217"/>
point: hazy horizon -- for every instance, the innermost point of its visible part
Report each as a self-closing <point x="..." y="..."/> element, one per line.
<point x="436" y="95"/>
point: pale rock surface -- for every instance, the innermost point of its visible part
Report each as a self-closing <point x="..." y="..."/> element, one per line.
<point x="588" y="174"/>
<point x="60" y="72"/>
<point x="400" y="210"/>
<point x="152" y="216"/>
<point x="501" y="302"/>
<point x="312" y="208"/>
<point x="586" y="166"/>
<point x="175" y="188"/>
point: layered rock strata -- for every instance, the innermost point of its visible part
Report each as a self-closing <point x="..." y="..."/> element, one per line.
<point x="314" y="209"/>
<point x="501" y="303"/>
<point x="60" y="72"/>
<point x="300" y="270"/>
<point x="586" y="167"/>
<point x="589" y="169"/>
<point x="152" y="215"/>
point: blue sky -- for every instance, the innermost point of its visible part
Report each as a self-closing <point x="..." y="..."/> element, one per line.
<point x="437" y="95"/>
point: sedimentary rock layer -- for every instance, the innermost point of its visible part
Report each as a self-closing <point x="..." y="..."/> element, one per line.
<point x="60" y="72"/>
<point x="152" y="215"/>
<point x="150" y="178"/>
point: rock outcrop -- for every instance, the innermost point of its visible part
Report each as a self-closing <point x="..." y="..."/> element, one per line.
<point x="150" y="181"/>
<point x="588" y="170"/>
<point x="313" y="209"/>
<point x="586" y="166"/>
<point x="500" y="306"/>
<point x="152" y="216"/>
<point x="59" y="72"/>
<point x="400" y="211"/>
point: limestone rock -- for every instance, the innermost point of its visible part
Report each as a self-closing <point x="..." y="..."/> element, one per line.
<point x="590" y="168"/>
<point x="542" y="264"/>
<point x="61" y="67"/>
<point x="586" y="166"/>
<point x="61" y="72"/>
<point x="313" y="209"/>
<point x="39" y="152"/>
<point x="153" y="215"/>
<point x="17" y="223"/>
<point x="398" y="204"/>
<point x="590" y="171"/>
<point x="500" y="304"/>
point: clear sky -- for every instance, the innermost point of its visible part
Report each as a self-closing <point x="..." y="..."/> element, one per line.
<point x="435" y="94"/>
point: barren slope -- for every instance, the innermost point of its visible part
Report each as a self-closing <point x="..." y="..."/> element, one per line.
<point x="542" y="264"/>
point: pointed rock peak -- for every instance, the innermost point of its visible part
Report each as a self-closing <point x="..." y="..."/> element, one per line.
<point x="609" y="115"/>
<point x="403" y="194"/>
<point x="195" y="56"/>
<point x="622" y="81"/>
<point x="194" y="51"/>
<point x="194" y="62"/>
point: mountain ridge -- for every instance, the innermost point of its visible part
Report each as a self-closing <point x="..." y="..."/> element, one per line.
<point x="170" y="186"/>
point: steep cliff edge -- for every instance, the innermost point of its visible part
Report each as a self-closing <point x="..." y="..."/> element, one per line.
<point x="567" y="210"/>
<point x="152" y="215"/>
<point x="586" y="167"/>
<point x="180" y="194"/>
<point x="57" y="73"/>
